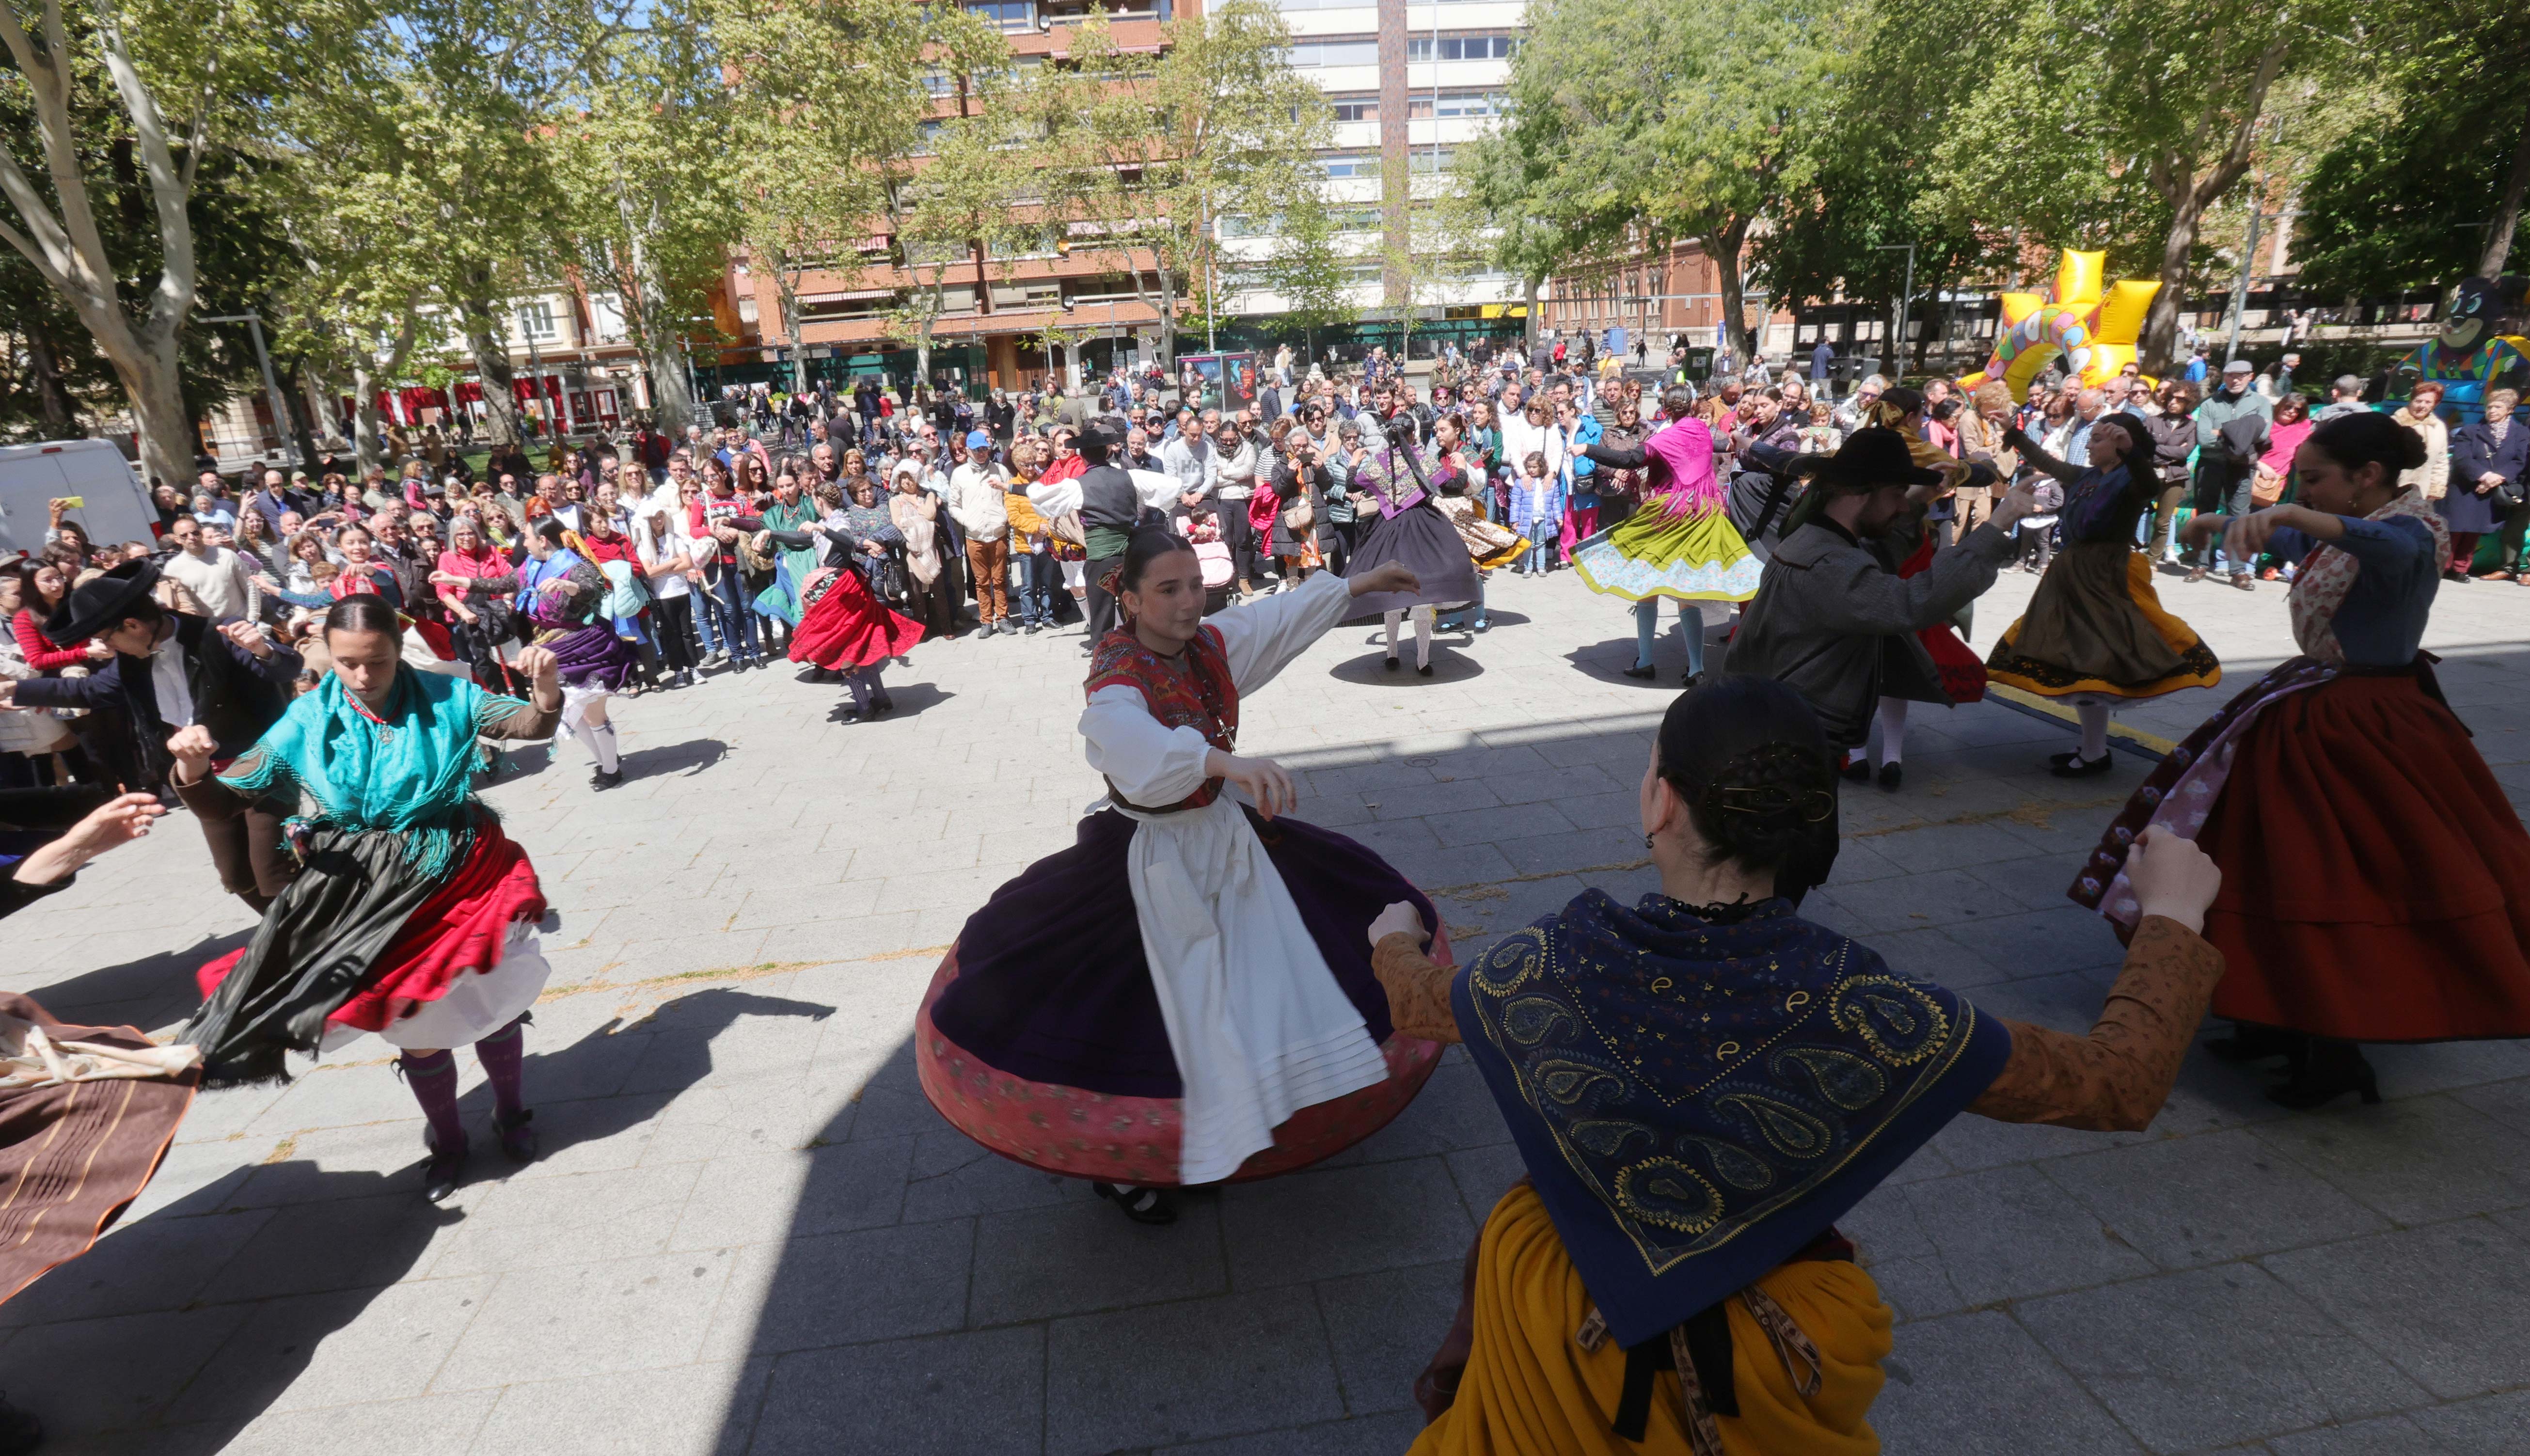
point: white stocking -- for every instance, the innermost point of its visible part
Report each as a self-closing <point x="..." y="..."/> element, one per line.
<point x="1423" y="636"/>
<point x="1390" y="620"/>
<point x="2095" y="729"/>
<point x="1892" y="729"/>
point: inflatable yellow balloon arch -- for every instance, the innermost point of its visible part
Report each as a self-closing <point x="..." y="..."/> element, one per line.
<point x="2094" y="333"/>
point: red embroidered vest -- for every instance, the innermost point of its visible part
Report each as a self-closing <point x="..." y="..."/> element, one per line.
<point x="1191" y="690"/>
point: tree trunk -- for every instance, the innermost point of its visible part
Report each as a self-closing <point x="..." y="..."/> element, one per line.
<point x="672" y="382"/>
<point x="2508" y="213"/>
<point x="369" y="432"/>
<point x="1734" y="311"/>
<point x="492" y="369"/>
<point x="169" y="442"/>
<point x="300" y="427"/>
<point x="2159" y="343"/>
<point x="1528" y="286"/>
<point x="61" y="418"/>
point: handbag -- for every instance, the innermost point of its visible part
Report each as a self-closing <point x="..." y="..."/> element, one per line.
<point x="1298" y="516"/>
<point x="2267" y="487"/>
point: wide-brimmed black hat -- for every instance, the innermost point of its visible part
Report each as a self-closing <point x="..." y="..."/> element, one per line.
<point x="1870" y="457"/>
<point x="101" y="603"/>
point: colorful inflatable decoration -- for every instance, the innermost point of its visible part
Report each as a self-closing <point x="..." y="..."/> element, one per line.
<point x="2473" y="355"/>
<point x="2093" y="331"/>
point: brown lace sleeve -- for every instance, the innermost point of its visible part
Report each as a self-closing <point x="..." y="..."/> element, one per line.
<point x="2116" y="1078"/>
<point x="1419" y="992"/>
<point x="508" y="717"/>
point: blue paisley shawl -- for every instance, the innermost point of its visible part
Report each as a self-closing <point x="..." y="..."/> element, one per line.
<point x="412" y="773"/>
<point x="1697" y="1102"/>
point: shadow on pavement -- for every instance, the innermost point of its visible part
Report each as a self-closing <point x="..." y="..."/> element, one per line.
<point x="179" y="1330"/>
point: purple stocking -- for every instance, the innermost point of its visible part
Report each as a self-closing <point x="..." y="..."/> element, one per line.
<point x="432" y="1076"/>
<point x="501" y="1054"/>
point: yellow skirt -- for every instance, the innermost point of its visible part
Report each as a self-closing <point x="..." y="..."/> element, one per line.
<point x="1529" y="1388"/>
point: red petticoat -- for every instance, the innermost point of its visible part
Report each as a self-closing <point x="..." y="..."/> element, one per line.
<point x="850" y="628"/>
<point x="1135" y="1140"/>
<point x="2376" y="882"/>
<point x="465" y="926"/>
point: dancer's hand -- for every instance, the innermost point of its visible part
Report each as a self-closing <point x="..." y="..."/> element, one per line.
<point x="2248" y="535"/>
<point x="1267" y="785"/>
<point x="249" y="636"/>
<point x="1387" y="575"/>
<point x="2171" y="877"/>
<point x="192" y="748"/>
<point x="537" y="665"/>
<point x="1400" y="918"/>
<point x="110" y="825"/>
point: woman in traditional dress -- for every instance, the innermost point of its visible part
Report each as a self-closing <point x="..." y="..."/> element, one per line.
<point x="2094" y="634"/>
<point x="1183" y="996"/>
<point x="848" y="629"/>
<point x="1679" y="544"/>
<point x="1459" y="482"/>
<point x="2376" y="880"/>
<point x="413" y="916"/>
<point x="565" y="605"/>
<point x="1411" y="532"/>
<point x="1702" y="1084"/>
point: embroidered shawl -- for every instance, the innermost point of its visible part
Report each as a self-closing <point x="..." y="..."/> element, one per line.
<point x="410" y="769"/>
<point x="1192" y="689"/>
<point x="2327" y="574"/>
<point x="1697" y="1101"/>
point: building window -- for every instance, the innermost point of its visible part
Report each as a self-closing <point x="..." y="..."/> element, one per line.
<point x="1461" y="105"/>
<point x="536" y="321"/>
<point x="1313" y="53"/>
<point x="1462" y="47"/>
<point x="1358" y="109"/>
<point x="1010" y="14"/>
<point x="1424" y="159"/>
<point x="1350" y="164"/>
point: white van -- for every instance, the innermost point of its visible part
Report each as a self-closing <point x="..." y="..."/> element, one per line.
<point x="113" y="505"/>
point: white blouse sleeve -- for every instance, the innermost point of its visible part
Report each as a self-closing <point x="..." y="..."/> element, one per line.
<point x="1148" y="764"/>
<point x="1261" y="638"/>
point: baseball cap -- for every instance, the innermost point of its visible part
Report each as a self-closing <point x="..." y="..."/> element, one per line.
<point x="977" y="440"/>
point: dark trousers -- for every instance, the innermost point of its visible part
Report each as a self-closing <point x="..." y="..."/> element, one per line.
<point x="246" y="851"/>
<point x="2509" y="537"/>
<point x="1339" y="544"/>
<point x="2165" y="511"/>
<point x="672" y="622"/>
<point x="1102" y="607"/>
<point x="1240" y="536"/>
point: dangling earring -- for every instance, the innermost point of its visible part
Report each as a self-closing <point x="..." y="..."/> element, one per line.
<point x="1647" y="839"/>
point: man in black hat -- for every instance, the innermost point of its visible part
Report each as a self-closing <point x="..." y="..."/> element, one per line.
<point x="172" y="670"/>
<point x="1110" y="505"/>
<point x="1828" y="612"/>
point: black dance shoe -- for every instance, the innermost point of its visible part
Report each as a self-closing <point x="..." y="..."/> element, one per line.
<point x="1892" y="774"/>
<point x="1141" y="1204"/>
<point x="1391" y="664"/>
<point x="1860" y="770"/>
<point x="606" y="778"/>
<point x="445" y="1172"/>
<point x="1642" y="673"/>
<point x="1425" y="671"/>
<point x="2327" y="1072"/>
<point x="2075" y="765"/>
<point x="518" y="1139"/>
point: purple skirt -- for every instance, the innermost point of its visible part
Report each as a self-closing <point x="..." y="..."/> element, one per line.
<point x="591" y="657"/>
<point x="1428" y="545"/>
<point x="1052" y="986"/>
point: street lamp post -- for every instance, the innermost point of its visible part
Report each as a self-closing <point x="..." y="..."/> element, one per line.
<point x="253" y="322"/>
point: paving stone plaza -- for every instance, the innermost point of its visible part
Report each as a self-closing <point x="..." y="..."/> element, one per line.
<point x="750" y="1233"/>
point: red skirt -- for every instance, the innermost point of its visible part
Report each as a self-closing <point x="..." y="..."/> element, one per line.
<point x="847" y="626"/>
<point x="464" y="926"/>
<point x="2376" y="882"/>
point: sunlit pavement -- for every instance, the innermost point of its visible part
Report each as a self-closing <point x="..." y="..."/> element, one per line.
<point x="750" y="1233"/>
